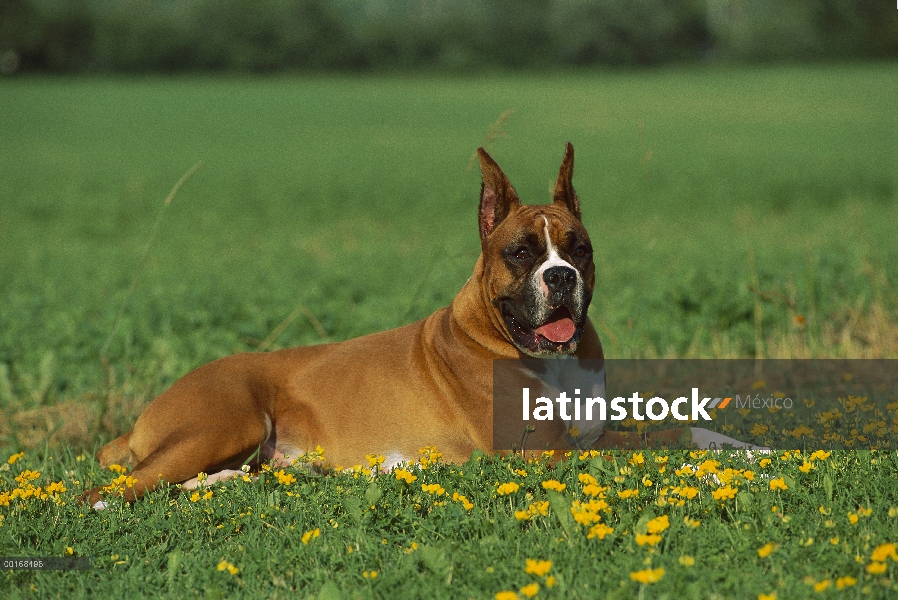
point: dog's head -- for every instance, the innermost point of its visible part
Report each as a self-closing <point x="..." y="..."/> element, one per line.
<point x="540" y="275"/>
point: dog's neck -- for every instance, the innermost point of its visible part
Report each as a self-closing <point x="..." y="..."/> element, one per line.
<point x="474" y="316"/>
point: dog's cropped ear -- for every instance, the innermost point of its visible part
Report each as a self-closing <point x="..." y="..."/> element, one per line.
<point x="497" y="198"/>
<point x="564" y="189"/>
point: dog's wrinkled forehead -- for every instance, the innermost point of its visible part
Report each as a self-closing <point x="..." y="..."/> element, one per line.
<point x="548" y="228"/>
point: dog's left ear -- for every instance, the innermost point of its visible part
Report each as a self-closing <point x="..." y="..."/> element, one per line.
<point x="564" y="189"/>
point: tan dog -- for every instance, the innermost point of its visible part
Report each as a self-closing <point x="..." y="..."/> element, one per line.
<point x="394" y="392"/>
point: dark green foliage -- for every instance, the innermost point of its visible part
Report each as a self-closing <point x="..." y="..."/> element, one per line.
<point x="139" y="36"/>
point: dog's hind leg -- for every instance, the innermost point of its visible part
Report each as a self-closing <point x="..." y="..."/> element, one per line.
<point x="116" y="452"/>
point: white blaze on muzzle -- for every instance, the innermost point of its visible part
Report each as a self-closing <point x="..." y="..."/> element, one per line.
<point x="554" y="260"/>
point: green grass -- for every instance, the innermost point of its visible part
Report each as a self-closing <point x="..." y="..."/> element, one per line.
<point x="424" y="543"/>
<point x="743" y="212"/>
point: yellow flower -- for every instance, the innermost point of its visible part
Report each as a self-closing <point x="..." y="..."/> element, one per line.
<point x="284" y="478"/>
<point x="550" y="581"/>
<point x="227" y="566"/>
<point x="15" y="457"/>
<point x="876" y="568"/>
<point x="600" y="531"/>
<point x="759" y="429"/>
<point x="56" y="487"/>
<point x="26" y="476"/>
<point x="651" y="539"/>
<point x="429" y="456"/>
<point x="778" y="483"/>
<point x="724" y="493"/>
<point x="844" y="582"/>
<point x="593" y="489"/>
<point x="821" y="586"/>
<point x="403" y="475"/>
<point x="310" y="535"/>
<point x="852" y="518"/>
<point x="375" y="459"/>
<point x="554" y="485"/>
<point x="506" y="595"/>
<point x="587" y="479"/>
<point x="765" y="550"/>
<point x="648" y="575"/>
<point x="537" y="567"/>
<point x="628" y="494"/>
<point x="637" y="459"/>
<point x="770" y="596"/>
<point x="530" y="590"/>
<point x="884" y="551"/>
<point x="507" y="488"/>
<point x="765" y="462"/>
<point x="464" y="501"/>
<point x="806" y="467"/>
<point x="820" y="455"/>
<point x="658" y="524"/>
<point x="434" y="489"/>
<point x="691" y="523"/>
<point x="115" y="468"/>
<point x="369" y="574"/>
<point x="522" y="515"/>
<point x="686" y="560"/>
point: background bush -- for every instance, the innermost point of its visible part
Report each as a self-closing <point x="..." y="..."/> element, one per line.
<point x="143" y="36"/>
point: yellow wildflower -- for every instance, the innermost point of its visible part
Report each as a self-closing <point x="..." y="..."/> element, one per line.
<point x="310" y="535"/>
<point x="600" y="531"/>
<point x="778" y="483"/>
<point x="766" y="550"/>
<point x="434" y="489"/>
<point x="691" y="523"/>
<point x="876" y="568"/>
<point x="554" y="485"/>
<point x="658" y="524"/>
<point x="15" y="457"/>
<point x="686" y="560"/>
<point x="647" y="576"/>
<point x="651" y="539"/>
<point x="844" y="582"/>
<point x="724" y="493"/>
<point x="227" y="566"/>
<point x="406" y="476"/>
<point x="530" y="590"/>
<point x="884" y="551"/>
<point x="464" y="501"/>
<point x="284" y="478"/>
<point x="507" y="488"/>
<point x="537" y="567"/>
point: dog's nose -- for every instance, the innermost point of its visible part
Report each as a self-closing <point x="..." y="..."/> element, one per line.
<point x="560" y="280"/>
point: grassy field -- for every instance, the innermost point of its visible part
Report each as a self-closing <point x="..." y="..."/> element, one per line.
<point x="734" y="213"/>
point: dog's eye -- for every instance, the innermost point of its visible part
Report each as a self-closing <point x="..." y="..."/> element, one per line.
<point x="522" y="253"/>
<point x="581" y="251"/>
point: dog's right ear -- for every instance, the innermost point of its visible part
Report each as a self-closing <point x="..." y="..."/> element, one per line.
<point x="497" y="198"/>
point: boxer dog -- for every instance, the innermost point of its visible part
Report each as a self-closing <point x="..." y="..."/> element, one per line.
<point x="393" y="392"/>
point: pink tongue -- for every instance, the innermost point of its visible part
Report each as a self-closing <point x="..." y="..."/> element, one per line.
<point x="557" y="331"/>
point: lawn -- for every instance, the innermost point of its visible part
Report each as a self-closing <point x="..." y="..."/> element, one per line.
<point x="735" y="213"/>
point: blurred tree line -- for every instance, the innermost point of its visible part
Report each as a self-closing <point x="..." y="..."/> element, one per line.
<point x="274" y="35"/>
